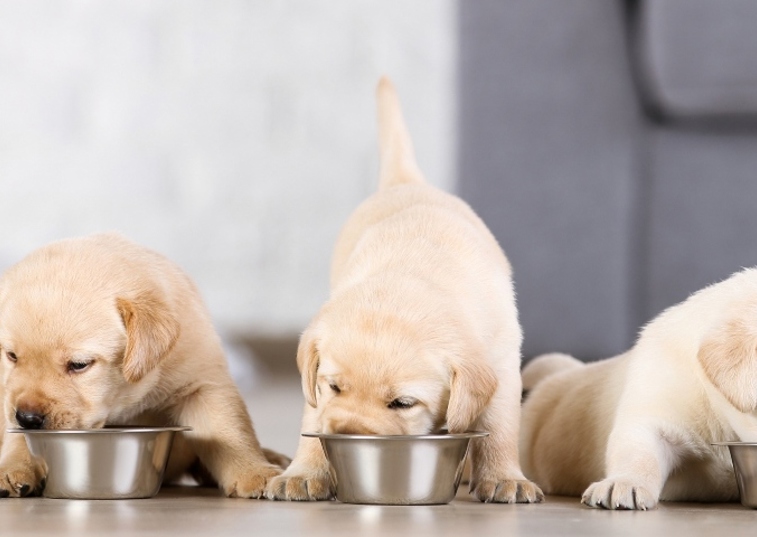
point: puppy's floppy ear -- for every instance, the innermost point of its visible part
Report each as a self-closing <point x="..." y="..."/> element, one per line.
<point x="151" y="332"/>
<point x="307" y="363"/>
<point x="728" y="355"/>
<point x="472" y="385"/>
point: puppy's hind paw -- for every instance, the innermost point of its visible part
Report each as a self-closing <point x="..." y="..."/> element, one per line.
<point x="279" y="459"/>
<point x="307" y="487"/>
<point x="507" y="491"/>
<point x="619" y="494"/>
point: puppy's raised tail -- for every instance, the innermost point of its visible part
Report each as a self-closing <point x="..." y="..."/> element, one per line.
<point x="546" y="365"/>
<point x="397" y="157"/>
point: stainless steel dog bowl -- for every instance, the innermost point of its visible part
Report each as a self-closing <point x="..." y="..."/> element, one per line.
<point x="744" y="457"/>
<point x="396" y="470"/>
<point x="110" y="463"/>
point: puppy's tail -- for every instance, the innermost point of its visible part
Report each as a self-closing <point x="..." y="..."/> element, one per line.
<point x="545" y="366"/>
<point x="397" y="157"/>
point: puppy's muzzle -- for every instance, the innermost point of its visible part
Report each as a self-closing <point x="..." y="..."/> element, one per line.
<point x="29" y="420"/>
<point x="351" y="427"/>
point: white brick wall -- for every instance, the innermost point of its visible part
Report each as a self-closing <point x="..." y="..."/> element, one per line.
<point x="233" y="136"/>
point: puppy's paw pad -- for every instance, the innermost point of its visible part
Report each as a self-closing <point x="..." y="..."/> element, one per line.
<point x="300" y="487"/>
<point x="619" y="494"/>
<point x="253" y="483"/>
<point x="507" y="491"/>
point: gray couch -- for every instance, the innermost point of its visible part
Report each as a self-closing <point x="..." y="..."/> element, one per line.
<point x="612" y="148"/>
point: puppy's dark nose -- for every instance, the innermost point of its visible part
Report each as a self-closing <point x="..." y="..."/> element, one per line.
<point x="30" y="420"/>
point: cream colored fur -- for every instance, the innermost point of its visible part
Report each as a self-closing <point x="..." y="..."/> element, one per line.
<point x="149" y="353"/>
<point x="631" y="430"/>
<point x="420" y="330"/>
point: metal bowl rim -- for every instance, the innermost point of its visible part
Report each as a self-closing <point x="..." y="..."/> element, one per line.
<point x="105" y="430"/>
<point x="440" y="437"/>
<point x="735" y="443"/>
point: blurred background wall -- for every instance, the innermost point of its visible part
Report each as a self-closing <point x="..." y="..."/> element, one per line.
<point x="610" y="145"/>
<point x="234" y="136"/>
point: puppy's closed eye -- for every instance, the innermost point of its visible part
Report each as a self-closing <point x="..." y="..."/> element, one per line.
<point x="78" y="366"/>
<point x="402" y="403"/>
<point x="11" y="356"/>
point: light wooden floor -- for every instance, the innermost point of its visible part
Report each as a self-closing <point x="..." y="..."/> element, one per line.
<point x="185" y="511"/>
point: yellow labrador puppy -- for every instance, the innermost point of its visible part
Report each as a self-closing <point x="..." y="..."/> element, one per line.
<point x="420" y="330"/>
<point x="97" y="331"/>
<point x="638" y="428"/>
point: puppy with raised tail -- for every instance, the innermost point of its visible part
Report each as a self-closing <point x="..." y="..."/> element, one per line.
<point x="420" y="330"/>
<point x="629" y="431"/>
<point x="99" y="331"/>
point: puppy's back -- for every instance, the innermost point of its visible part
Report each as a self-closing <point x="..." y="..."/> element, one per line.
<point x="423" y="212"/>
<point x="566" y="421"/>
<point x="545" y="366"/>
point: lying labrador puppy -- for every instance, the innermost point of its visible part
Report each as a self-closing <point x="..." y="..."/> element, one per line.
<point x="97" y="331"/>
<point x="420" y="330"/>
<point x="638" y="428"/>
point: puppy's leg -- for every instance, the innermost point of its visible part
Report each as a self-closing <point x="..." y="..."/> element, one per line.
<point x="20" y="474"/>
<point x="279" y="459"/>
<point x="308" y="477"/>
<point x="184" y="461"/>
<point x="496" y="474"/>
<point x="639" y="460"/>
<point x="224" y="440"/>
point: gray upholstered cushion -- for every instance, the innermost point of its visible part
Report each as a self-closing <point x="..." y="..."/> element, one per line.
<point x="698" y="58"/>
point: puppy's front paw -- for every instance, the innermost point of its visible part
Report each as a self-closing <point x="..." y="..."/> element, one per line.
<point x="301" y="487"/>
<point x="252" y="483"/>
<point x="619" y="494"/>
<point x="507" y="491"/>
<point x="17" y="481"/>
